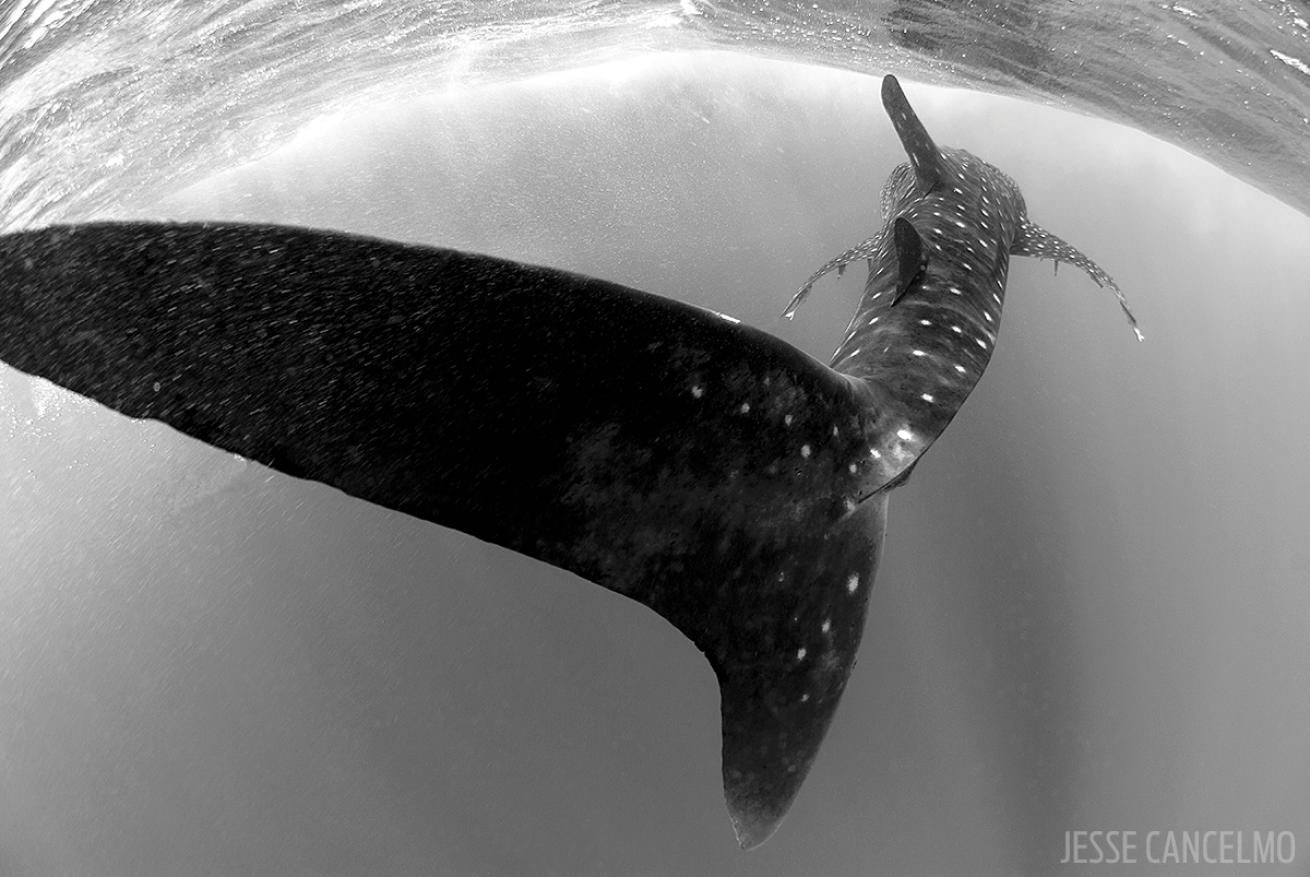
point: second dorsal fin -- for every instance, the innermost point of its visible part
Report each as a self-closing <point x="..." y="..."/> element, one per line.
<point x="911" y="261"/>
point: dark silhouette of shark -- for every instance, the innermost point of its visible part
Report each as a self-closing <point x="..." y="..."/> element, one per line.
<point x="726" y="480"/>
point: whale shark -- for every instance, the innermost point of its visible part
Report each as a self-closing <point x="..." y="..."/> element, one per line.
<point x="731" y="483"/>
<point x="928" y="321"/>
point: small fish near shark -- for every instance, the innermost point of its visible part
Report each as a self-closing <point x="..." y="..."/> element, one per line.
<point x="704" y="468"/>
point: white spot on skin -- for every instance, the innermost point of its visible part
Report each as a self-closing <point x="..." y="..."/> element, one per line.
<point x="852" y="468"/>
<point x="905" y="434"/>
<point x="805" y="451"/>
<point x="745" y="408"/>
<point x="698" y="391"/>
<point x="827" y="625"/>
<point x="805" y="698"/>
<point x="918" y="353"/>
<point x="801" y="653"/>
<point x="927" y="397"/>
<point x="959" y="368"/>
<point x="787" y="420"/>
<point x="925" y="322"/>
<point x="853" y="583"/>
<point x="875" y="453"/>
<point x="957" y="330"/>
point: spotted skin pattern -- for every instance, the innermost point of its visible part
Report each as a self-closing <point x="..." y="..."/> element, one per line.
<point x="701" y="467"/>
<point x="921" y="343"/>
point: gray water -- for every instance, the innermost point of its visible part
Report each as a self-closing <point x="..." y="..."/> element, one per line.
<point x="106" y="102"/>
<point x="1092" y="611"/>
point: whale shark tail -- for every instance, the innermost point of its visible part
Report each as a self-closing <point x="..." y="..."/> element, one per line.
<point x="702" y="468"/>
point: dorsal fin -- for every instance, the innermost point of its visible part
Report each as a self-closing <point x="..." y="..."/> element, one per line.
<point x="911" y="261"/>
<point x="925" y="158"/>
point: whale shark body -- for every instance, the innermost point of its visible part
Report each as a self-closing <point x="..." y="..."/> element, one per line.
<point x="704" y="468"/>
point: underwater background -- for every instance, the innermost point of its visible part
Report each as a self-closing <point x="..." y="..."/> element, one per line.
<point x="1093" y="608"/>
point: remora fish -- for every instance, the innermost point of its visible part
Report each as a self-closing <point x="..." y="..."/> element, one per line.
<point x="706" y="469"/>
